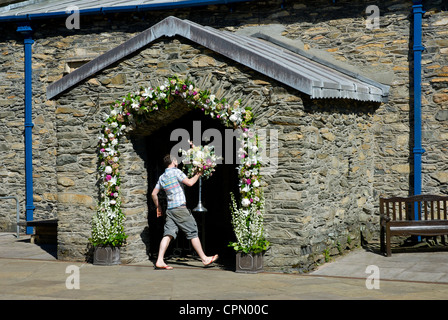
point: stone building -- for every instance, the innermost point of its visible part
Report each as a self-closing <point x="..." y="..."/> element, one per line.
<point x="334" y="79"/>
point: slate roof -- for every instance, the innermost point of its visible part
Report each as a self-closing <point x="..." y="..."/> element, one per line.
<point x="290" y="68"/>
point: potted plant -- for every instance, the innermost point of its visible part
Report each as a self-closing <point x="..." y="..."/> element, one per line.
<point x="108" y="233"/>
<point x="251" y="243"/>
<point x="108" y="223"/>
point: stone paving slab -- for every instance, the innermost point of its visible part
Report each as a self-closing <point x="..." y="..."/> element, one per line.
<point x="38" y="279"/>
<point x="409" y="266"/>
<point x="26" y="277"/>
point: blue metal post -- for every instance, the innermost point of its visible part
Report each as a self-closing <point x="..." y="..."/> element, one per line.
<point x="418" y="48"/>
<point x="26" y="31"/>
<point x="417" y="9"/>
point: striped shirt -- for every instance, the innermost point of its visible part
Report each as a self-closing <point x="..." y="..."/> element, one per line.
<point x="171" y="182"/>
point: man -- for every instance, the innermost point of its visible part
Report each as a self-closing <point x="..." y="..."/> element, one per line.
<point x="177" y="214"/>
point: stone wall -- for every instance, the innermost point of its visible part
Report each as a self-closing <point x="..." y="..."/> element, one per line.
<point x="335" y="158"/>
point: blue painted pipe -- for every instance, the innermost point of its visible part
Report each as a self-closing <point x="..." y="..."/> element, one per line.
<point x="418" y="48"/>
<point x="26" y="31"/>
<point x="417" y="9"/>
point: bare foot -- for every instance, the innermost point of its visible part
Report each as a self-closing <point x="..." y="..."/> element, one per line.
<point x="210" y="260"/>
<point x="162" y="267"/>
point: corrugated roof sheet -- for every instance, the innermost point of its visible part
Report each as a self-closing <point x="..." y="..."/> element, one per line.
<point x="299" y="72"/>
<point x="38" y="9"/>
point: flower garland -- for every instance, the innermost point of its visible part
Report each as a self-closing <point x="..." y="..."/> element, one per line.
<point x="127" y="112"/>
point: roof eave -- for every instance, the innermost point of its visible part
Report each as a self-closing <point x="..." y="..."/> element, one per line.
<point x="285" y="67"/>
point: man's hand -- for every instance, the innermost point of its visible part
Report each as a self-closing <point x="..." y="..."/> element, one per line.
<point x="190" y="182"/>
<point x="159" y="211"/>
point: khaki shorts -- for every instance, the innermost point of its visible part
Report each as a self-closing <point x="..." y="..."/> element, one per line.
<point x="182" y="218"/>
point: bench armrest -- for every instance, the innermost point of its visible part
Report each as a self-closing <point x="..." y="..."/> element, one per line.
<point x="384" y="219"/>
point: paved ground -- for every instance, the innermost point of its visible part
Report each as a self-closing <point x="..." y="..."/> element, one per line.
<point x="29" y="272"/>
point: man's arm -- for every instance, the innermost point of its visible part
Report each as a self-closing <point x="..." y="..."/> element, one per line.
<point x="190" y="182"/>
<point x="155" y="199"/>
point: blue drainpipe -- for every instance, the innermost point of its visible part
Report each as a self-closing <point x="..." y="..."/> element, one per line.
<point x="418" y="48"/>
<point x="26" y="31"/>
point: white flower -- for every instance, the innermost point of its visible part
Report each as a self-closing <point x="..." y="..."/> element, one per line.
<point x="114" y="142"/>
<point x="111" y="151"/>
<point x="245" y="202"/>
<point x="108" y="169"/>
<point x="162" y="88"/>
<point x="113" y="180"/>
<point x="135" y="105"/>
<point x="147" y="93"/>
<point x="256" y="184"/>
<point x="212" y="98"/>
<point x="114" y="124"/>
<point x="233" y="117"/>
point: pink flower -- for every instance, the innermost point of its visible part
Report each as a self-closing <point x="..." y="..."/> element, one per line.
<point x="248" y="181"/>
<point x="108" y="177"/>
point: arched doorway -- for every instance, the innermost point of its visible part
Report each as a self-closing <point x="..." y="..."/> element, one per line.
<point x="215" y="229"/>
<point x="149" y="110"/>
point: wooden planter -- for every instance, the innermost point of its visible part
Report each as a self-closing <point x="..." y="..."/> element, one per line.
<point x="249" y="262"/>
<point x="106" y="256"/>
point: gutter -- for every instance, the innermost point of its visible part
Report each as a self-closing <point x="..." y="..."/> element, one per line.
<point x="418" y="48"/>
<point x="26" y="31"/>
<point x="118" y="9"/>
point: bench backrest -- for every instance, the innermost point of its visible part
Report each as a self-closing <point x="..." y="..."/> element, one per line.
<point x="425" y="207"/>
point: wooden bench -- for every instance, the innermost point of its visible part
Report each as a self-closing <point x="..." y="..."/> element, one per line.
<point x="45" y="231"/>
<point x="421" y="215"/>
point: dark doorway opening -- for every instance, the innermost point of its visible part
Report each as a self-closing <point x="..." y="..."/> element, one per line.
<point x="215" y="229"/>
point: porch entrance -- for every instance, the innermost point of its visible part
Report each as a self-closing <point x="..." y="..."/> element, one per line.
<point x="215" y="229"/>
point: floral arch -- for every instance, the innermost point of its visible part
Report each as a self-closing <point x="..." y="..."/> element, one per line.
<point x="127" y="112"/>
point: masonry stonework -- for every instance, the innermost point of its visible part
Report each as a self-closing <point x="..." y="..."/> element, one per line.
<point x="335" y="156"/>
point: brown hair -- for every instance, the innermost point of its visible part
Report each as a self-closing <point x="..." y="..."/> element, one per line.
<point x="167" y="160"/>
